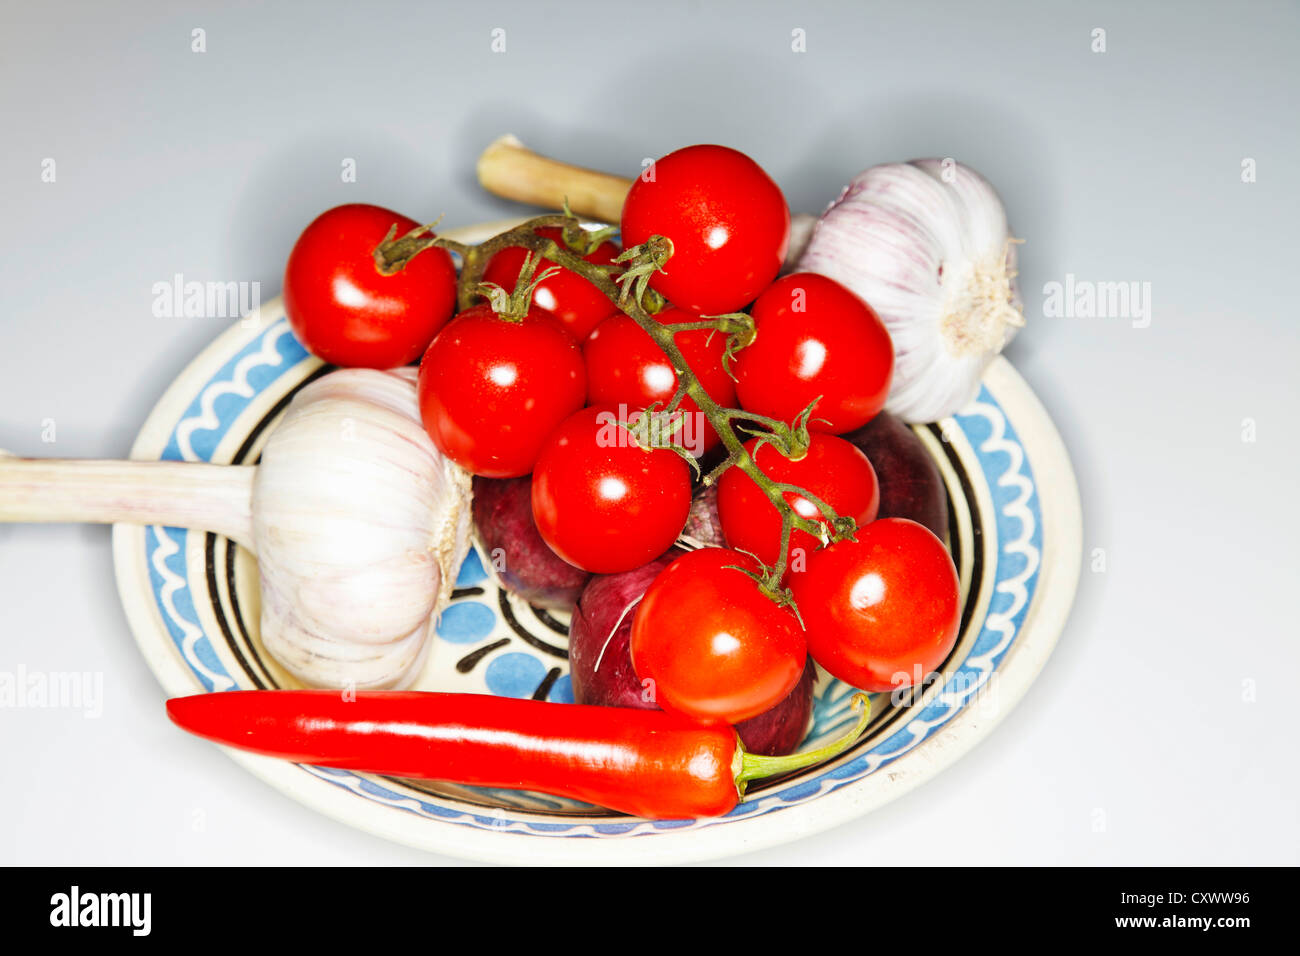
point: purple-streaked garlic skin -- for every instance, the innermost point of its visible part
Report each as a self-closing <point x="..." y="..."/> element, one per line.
<point x="359" y="526"/>
<point x="600" y="661"/>
<point x="801" y="230"/>
<point x="523" y="562"/>
<point x="927" y="246"/>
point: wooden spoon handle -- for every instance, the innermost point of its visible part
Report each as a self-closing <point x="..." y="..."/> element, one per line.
<point x="178" y="494"/>
<point x="509" y="169"/>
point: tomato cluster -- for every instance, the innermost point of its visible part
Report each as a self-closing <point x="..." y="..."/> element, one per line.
<point x="552" y="380"/>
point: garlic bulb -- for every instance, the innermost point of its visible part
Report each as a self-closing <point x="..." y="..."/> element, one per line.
<point x="358" y="523"/>
<point x="926" y="245"/>
<point x="801" y="230"/>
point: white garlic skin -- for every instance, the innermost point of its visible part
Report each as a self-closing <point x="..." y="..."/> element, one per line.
<point x="359" y="525"/>
<point x="926" y="245"/>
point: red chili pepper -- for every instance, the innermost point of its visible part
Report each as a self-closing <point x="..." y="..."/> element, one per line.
<point x="644" y="762"/>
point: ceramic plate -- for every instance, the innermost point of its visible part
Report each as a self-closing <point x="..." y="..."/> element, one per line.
<point x="192" y="601"/>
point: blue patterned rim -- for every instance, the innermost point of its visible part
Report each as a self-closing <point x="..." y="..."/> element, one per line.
<point x="1018" y="522"/>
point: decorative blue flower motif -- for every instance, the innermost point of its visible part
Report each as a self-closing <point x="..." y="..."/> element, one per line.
<point x="562" y="691"/>
<point x="471" y="570"/>
<point x="466" y="622"/>
<point x="515" y="675"/>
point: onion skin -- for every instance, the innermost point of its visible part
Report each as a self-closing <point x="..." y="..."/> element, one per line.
<point x="615" y="684"/>
<point x="703" y="524"/>
<point x="603" y="600"/>
<point x="781" y="729"/>
<point x="910" y="483"/>
<point x="503" y="518"/>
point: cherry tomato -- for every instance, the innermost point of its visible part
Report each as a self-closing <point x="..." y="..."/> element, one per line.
<point x="492" y="389"/>
<point x="815" y="338"/>
<point x="573" y="300"/>
<point x="717" y="649"/>
<point x="883" y="611"/>
<point x="833" y="470"/>
<point x="728" y="222"/>
<point x="626" y="367"/>
<point x="600" y="501"/>
<point x="345" y="311"/>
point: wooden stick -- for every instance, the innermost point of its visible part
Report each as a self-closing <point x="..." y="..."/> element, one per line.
<point x="178" y="494"/>
<point x="509" y="169"/>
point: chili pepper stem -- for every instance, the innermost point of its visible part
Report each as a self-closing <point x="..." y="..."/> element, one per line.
<point x="754" y="766"/>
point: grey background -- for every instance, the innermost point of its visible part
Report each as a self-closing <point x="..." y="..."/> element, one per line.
<point x="1123" y="165"/>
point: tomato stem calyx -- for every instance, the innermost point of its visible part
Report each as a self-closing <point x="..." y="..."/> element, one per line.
<point x="643" y="261"/>
<point x="770" y="586"/>
<point x="584" y="241"/>
<point x="514" y="306"/>
<point x="655" y="429"/>
<point x="392" y="254"/>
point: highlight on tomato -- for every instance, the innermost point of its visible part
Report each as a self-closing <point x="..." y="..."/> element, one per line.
<point x="815" y="340"/>
<point x="881" y="612"/>
<point x="831" y="469"/>
<point x="492" y="387"/>
<point x="601" y="501"/>
<point x="344" y="310"/>
<point x="727" y="219"/>
<point x="626" y="367"/>
<point x="576" y="303"/>
<point x="716" y="647"/>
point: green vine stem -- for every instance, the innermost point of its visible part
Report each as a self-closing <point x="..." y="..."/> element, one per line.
<point x="512" y="306"/>
<point x="754" y="766"/>
<point x="625" y="286"/>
